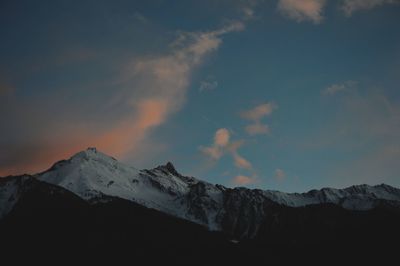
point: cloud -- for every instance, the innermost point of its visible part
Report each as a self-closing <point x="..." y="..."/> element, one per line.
<point x="208" y="85"/>
<point x="242" y="180"/>
<point x="257" y="129"/>
<point x="333" y="89"/>
<point x="221" y="137"/>
<point x="160" y="89"/>
<point x="215" y="153"/>
<point x="222" y="145"/>
<point x="241" y="162"/>
<point x="302" y="10"/>
<point x="255" y="115"/>
<point x="248" y="13"/>
<point x="146" y="92"/>
<point x="336" y="88"/>
<point x="279" y="174"/>
<point x="351" y="6"/>
<point x="246" y="8"/>
<point x="221" y="140"/>
<point x="258" y="112"/>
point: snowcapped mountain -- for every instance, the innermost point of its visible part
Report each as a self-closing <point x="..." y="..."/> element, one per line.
<point x="91" y="175"/>
<point x="96" y="177"/>
<point x="92" y="204"/>
<point x="13" y="189"/>
<point x="10" y="191"/>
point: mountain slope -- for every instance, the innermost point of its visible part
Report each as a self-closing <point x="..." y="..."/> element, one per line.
<point x="91" y="206"/>
<point x="51" y="224"/>
<point x="91" y="174"/>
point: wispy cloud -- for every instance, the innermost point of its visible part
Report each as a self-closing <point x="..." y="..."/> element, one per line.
<point x="248" y="12"/>
<point x="302" y="10"/>
<point x="222" y="137"/>
<point x="337" y="88"/>
<point x="351" y="6"/>
<point x="258" y="112"/>
<point x="242" y="180"/>
<point x="217" y="149"/>
<point x="255" y="115"/>
<point x="240" y="161"/>
<point x="222" y="145"/>
<point x="208" y="84"/>
<point x="147" y="92"/>
<point x="161" y="84"/>
<point x="247" y="8"/>
<point x="279" y="174"/>
<point x="257" y="129"/>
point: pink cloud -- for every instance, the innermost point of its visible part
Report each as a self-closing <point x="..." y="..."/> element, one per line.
<point x="154" y="88"/>
<point x="221" y="140"/>
<point x="241" y="162"/>
<point x="257" y="129"/>
<point x="243" y="180"/>
<point x="222" y="137"/>
<point x="213" y="152"/>
<point x="302" y="10"/>
<point x="258" y="112"/>
<point x="255" y="115"/>
<point x="222" y="145"/>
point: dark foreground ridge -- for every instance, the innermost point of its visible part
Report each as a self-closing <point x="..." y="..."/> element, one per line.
<point x="91" y="208"/>
<point x="51" y="224"/>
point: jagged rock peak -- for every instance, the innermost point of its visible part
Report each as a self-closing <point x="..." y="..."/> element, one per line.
<point x="169" y="167"/>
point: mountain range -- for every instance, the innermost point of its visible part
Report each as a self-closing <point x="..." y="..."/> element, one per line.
<point x="93" y="203"/>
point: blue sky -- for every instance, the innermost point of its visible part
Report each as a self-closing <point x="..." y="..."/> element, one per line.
<point x="288" y="95"/>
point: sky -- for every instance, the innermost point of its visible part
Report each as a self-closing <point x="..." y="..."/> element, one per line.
<point x="287" y="95"/>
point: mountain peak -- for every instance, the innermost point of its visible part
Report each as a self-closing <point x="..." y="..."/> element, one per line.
<point x="91" y="149"/>
<point x="92" y="153"/>
<point x="169" y="167"/>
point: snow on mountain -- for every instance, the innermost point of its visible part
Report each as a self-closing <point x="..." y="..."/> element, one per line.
<point x="9" y="193"/>
<point x="13" y="188"/>
<point x="360" y="197"/>
<point x="91" y="174"/>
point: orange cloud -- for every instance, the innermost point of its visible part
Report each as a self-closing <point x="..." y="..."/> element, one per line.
<point x="241" y="162"/>
<point x="258" y="112"/>
<point x="117" y="141"/>
<point x="32" y="159"/>
<point x="221" y="140"/>
<point x="257" y="129"/>
<point x="153" y="89"/>
<point x="255" y="115"/>
<point x="130" y="132"/>
<point x="221" y="137"/>
<point x="222" y="145"/>
<point x="243" y="180"/>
